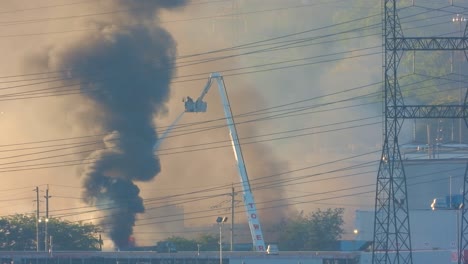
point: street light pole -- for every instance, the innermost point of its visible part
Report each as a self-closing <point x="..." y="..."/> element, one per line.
<point x="221" y="220"/>
<point x="232" y="217"/>
<point x="458" y="234"/>
<point x="220" y="243"/>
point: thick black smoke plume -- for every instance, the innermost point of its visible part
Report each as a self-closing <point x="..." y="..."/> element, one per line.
<point x="126" y="71"/>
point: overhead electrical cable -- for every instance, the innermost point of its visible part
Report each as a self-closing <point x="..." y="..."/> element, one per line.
<point x="46" y="7"/>
<point x="94" y="142"/>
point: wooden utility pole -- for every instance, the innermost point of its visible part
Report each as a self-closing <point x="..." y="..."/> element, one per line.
<point x="37" y="218"/>
<point x="46" y="236"/>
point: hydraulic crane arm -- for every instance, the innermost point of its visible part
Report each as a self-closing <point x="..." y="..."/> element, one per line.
<point x="205" y="90"/>
<point x="249" y="202"/>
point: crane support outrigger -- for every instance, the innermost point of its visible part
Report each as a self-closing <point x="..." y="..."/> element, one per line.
<point x="200" y="106"/>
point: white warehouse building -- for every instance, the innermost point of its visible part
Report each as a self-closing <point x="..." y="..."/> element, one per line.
<point x="431" y="174"/>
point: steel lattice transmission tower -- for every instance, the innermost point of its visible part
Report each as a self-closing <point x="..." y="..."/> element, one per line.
<point x="392" y="236"/>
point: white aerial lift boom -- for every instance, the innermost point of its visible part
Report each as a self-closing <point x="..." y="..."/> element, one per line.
<point x="200" y="106"/>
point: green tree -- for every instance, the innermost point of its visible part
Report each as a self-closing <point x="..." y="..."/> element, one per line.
<point x="292" y="233"/>
<point x="183" y="244"/>
<point x="18" y="232"/>
<point x="74" y="236"/>
<point x="324" y="229"/>
<point x="208" y="242"/>
<point x="432" y="81"/>
<point x="319" y="230"/>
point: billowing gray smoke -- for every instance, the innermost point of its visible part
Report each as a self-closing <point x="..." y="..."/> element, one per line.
<point x="126" y="71"/>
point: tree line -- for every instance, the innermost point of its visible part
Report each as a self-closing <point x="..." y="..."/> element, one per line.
<point x="319" y="230"/>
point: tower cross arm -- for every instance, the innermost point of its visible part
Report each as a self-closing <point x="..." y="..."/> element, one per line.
<point x="427" y="43"/>
<point x="427" y="111"/>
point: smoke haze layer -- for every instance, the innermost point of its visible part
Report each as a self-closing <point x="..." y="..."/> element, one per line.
<point x="126" y="72"/>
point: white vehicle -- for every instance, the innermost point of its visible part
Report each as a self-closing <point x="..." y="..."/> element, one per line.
<point x="272" y="249"/>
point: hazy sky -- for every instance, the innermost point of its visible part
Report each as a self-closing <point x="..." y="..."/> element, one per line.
<point x="300" y="80"/>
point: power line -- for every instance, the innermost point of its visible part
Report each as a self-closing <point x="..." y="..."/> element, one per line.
<point x="19" y="22"/>
<point x="417" y="176"/>
<point x="81" y="163"/>
<point x="46" y="7"/>
<point x="196" y="62"/>
<point x="249" y="44"/>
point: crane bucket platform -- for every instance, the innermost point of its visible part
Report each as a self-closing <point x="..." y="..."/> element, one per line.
<point x="194" y="106"/>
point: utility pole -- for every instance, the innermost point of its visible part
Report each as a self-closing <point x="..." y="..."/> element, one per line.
<point x="37" y="218"/>
<point x="233" y="201"/>
<point x="221" y="220"/>
<point x="46" y="236"/>
<point x="100" y="242"/>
